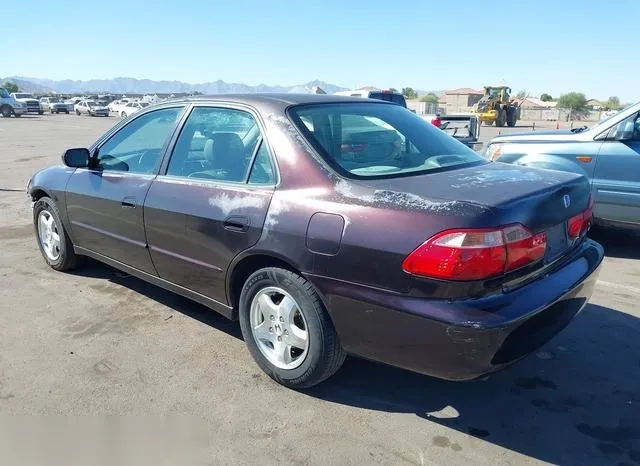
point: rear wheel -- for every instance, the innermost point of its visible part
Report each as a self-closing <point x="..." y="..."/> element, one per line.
<point x="287" y="330"/>
<point x="54" y="243"/>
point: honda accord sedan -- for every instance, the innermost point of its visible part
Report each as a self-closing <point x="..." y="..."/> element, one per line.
<point x="328" y="226"/>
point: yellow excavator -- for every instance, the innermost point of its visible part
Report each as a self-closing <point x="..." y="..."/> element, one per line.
<point x="497" y="107"/>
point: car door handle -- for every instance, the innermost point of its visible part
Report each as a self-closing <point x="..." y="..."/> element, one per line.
<point x="129" y="202"/>
<point x="238" y="224"/>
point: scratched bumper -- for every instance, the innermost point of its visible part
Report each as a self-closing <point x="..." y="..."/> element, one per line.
<point x="461" y="340"/>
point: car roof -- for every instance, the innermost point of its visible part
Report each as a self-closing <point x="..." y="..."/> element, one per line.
<point x="280" y="99"/>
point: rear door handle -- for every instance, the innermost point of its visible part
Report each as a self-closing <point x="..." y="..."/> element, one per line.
<point x="129" y="202"/>
<point x="237" y="223"/>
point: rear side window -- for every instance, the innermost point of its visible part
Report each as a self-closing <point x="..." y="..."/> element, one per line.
<point x="379" y="140"/>
<point x="215" y="144"/>
<point x="262" y="170"/>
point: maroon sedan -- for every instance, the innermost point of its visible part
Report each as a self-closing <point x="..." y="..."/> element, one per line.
<point x="329" y="226"/>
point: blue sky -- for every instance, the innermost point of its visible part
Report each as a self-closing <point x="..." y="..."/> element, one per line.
<point x="542" y="46"/>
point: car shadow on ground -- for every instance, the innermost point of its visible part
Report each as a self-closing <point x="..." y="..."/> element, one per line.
<point x="623" y="244"/>
<point x="576" y="401"/>
<point x="176" y="302"/>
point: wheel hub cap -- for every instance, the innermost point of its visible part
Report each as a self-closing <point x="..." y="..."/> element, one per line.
<point x="279" y="328"/>
<point x="49" y="235"/>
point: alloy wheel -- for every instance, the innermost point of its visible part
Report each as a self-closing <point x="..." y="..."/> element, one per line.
<point x="279" y="328"/>
<point x="49" y="235"/>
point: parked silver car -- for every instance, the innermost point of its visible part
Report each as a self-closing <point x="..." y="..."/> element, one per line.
<point x="607" y="153"/>
<point x="54" y="105"/>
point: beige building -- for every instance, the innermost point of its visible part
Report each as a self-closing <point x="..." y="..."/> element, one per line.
<point x="461" y="100"/>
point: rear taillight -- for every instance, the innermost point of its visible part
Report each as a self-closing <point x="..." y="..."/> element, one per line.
<point x="436" y="122"/>
<point x="476" y="254"/>
<point x="579" y="224"/>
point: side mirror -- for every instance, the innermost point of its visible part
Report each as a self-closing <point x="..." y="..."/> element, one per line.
<point x="624" y="131"/>
<point x="76" y="158"/>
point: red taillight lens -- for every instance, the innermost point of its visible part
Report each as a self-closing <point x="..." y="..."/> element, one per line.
<point x="436" y="122"/>
<point x="475" y="254"/>
<point x="580" y="224"/>
<point x="523" y="247"/>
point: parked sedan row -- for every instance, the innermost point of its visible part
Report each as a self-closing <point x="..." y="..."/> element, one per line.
<point x="329" y="226"/>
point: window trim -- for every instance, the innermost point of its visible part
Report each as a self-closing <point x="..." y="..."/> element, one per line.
<point x="262" y="139"/>
<point x="94" y="149"/>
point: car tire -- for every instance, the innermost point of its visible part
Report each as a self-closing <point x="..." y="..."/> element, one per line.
<point x="78" y="112"/>
<point x="123" y="114"/>
<point x="67" y="112"/>
<point x="58" y="254"/>
<point x="302" y="367"/>
<point x="41" y="112"/>
<point x="6" y="111"/>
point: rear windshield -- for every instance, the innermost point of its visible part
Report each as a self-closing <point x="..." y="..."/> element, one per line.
<point x="389" y="97"/>
<point x="379" y="140"/>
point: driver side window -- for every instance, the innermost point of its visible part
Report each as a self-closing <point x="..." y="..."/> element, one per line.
<point x="137" y="147"/>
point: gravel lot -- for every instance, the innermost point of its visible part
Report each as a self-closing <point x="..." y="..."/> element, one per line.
<point x="99" y="342"/>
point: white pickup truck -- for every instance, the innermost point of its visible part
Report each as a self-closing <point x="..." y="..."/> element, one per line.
<point x="32" y="104"/>
<point x="10" y="106"/>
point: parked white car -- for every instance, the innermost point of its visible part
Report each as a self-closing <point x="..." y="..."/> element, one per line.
<point x="91" y="108"/>
<point x="132" y="107"/>
<point x="118" y="105"/>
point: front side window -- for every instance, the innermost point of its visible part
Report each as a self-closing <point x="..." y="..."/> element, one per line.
<point x="215" y="144"/>
<point x="137" y="147"/>
<point x="364" y="140"/>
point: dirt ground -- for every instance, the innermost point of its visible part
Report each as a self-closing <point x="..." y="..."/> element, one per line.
<point x="97" y="342"/>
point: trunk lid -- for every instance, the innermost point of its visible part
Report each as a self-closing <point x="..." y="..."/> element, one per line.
<point x="541" y="200"/>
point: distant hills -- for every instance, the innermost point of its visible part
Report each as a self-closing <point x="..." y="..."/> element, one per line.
<point x="144" y="86"/>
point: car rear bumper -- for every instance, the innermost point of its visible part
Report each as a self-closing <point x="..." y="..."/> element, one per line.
<point x="465" y="339"/>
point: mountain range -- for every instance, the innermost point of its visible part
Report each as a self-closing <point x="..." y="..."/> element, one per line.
<point x="144" y="86"/>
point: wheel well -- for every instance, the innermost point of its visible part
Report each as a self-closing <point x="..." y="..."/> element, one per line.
<point x="245" y="268"/>
<point x="37" y="194"/>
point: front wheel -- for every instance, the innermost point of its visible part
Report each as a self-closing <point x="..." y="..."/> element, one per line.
<point x="6" y="111"/>
<point x="54" y="243"/>
<point x="78" y="112"/>
<point x="287" y="329"/>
